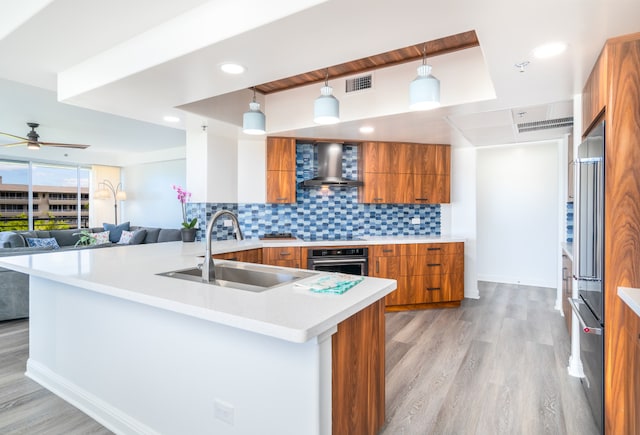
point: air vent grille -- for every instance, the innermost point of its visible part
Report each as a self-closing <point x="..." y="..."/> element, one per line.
<point x="546" y="124"/>
<point x="359" y="83"/>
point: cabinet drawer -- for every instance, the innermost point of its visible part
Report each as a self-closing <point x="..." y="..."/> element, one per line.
<point x="433" y="248"/>
<point x="386" y="250"/>
<point x="431" y="264"/>
<point x="271" y="255"/>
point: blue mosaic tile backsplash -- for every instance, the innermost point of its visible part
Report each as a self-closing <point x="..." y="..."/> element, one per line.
<point x="323" y="214"/>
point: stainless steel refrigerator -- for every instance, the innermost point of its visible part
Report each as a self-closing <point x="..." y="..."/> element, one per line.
<point x="589" y="266"/>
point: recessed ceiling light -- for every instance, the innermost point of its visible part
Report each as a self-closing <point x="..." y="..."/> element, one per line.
<point x="232" y="68"/>
<point x="366" y="129"/>
<point x="549" y="50"/>
<point x="170" y="118"/>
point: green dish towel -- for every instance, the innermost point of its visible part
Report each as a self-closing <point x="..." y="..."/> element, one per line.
<point x="335" y="283"/>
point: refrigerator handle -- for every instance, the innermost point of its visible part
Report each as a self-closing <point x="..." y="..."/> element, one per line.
<point x="599" y="212"/>
<point x="576" y="220"/>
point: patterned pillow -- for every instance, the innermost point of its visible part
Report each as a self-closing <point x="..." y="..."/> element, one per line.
<point x="101" y="238"/>
<point x="125" y="238"/>
<point x="43" y="243"/>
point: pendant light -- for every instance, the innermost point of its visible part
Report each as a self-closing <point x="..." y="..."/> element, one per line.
<point x="424" y="90"/>
<point x="253" y="121"/>
<point x="326" y="108"/>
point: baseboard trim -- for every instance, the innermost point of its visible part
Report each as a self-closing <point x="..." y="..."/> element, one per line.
<point x="516" y="281"/>
<point x="575" y="367"/>
<point x="107" y="415"/>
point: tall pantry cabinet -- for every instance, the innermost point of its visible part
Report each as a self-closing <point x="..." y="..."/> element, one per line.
<point x="612" y="94"/>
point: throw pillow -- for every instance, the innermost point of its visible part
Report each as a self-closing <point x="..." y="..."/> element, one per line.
<point x="115" y="231"/>
<point x="101" y="238"/>
<point x="125" y="238"/>
<point x="43" y="243"/>
<point x="138" y="237"/>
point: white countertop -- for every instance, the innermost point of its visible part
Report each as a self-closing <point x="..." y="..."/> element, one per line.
<point x="631" y="296"/>
<point x="365" y="240"/>
<point x="284" y="312"/>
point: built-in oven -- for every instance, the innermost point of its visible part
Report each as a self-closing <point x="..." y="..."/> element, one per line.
<point x="353" y="261"/>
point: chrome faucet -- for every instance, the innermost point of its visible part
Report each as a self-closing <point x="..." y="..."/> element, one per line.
<point x="208" y="269"/>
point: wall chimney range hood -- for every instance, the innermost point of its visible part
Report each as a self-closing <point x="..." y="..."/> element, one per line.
<point x="330" y="167"/>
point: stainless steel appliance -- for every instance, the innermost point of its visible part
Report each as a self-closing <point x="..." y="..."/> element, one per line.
<point x="354" y="261"/>
<point x="589" y="267"/>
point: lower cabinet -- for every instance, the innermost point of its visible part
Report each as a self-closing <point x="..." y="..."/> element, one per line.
<point x="247" y="256"/>
<point x="358" y="389"/>
<point x="286" y="256"/>
<point x="430" y="274"/>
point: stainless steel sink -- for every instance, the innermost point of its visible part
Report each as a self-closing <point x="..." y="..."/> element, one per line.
<point x="242" y="276"/>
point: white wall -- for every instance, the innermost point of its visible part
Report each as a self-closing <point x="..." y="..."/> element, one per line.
<point x="252" y="170"/>
<point x="517" y="213"/>
<point x="151" y="201"/>
<point x="212" y="160"/>
<point x="459" y="217"/>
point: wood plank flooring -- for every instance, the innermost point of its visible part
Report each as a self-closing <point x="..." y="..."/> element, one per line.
<point x="496" y="365"/>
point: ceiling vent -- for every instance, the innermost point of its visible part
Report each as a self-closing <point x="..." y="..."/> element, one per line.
<point x="357" y="84"/>
<point x="545" y="125"/>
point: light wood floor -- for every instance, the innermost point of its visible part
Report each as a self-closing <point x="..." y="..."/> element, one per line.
<point x="493" y="366"/>
<point x="497" y="365"/>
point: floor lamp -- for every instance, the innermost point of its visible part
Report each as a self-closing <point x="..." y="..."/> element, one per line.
<point x="106" y="190"/>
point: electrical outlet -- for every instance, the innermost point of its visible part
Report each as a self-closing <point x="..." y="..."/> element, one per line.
<point x="223" y="411"/>
<point x="227" y="223"/>
<point x="415" y="221"/>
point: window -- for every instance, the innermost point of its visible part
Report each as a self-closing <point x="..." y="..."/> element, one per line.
<point x="43" y="196"/>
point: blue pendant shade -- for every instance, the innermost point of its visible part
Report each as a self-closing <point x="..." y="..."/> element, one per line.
<point x="424" y="90"/>
<point x="254" y="121"/>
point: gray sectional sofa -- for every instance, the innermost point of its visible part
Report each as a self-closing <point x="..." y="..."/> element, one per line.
<point x="14" y="286"/>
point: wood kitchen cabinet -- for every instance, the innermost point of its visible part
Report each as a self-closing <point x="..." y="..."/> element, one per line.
<point x="567" y="288"/>
<point x="358" y="377"/>
<point x="612" y="94"/>
<point x="281" y="170"/>
<point x="286" y="256"/>
<point x="246" y="256"/>
<point x="428" y="275"/>
<point x="404" y="173"/>
<point x="594" y="94"/>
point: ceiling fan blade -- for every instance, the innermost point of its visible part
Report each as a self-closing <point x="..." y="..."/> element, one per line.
<point x="63" y="145"/>
<point x="14" y="136"/>
<point x="13" y="144"/>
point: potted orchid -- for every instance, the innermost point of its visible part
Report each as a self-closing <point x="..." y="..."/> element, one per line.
<point x="188" y="226"/>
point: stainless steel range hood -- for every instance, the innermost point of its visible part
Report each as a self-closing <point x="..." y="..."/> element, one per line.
<point x="330" y="167"/>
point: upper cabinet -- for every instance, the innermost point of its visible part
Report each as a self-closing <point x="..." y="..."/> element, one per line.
<point x="281" y="170"/>
<point x="594" y="94"/>
<point x="401" y="173"/>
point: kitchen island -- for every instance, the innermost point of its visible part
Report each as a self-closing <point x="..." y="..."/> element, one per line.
<point x="143" y="353"/>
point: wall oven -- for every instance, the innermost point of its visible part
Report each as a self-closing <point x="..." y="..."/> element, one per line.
<point x="354" y="261"/>
<point x="589" y="267"/>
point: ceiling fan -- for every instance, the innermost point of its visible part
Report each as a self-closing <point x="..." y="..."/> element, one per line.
<point x="33" y="143"/>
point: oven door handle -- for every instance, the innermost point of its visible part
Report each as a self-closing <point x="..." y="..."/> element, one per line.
<point x="597" y="330"/>
<point x="339" y="261"/>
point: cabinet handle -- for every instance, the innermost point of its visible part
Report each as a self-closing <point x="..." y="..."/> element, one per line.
<point x="378" y="199"/>
<point x="422" y="199"/>
<point x="387" y="250"/>
<point x="434" y="249"/>
<point x="432" y="288"/>
<point x="233" y="259"/>
<point x="377" y="266"/>
<point x="434" y="264"/>
<point x="281" y="199"/>
<point x="284" y="254"/>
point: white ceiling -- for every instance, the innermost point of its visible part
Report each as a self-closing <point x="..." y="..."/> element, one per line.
<point x="143" y="59"/>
